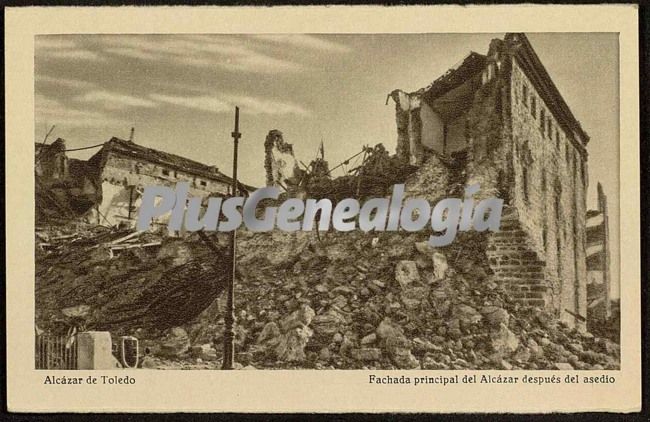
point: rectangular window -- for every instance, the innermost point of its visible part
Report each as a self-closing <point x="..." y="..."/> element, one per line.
<point x="175" y="173"/>
<point x="542" y="120"/>
<point x="165" y="172"/>
<point x="557" y="139"/>
<point x="533" y="109"/>
<point x="525" y="182"/>
<point x="559" y="255"/>
<point x="557" y="206"/>
<point x="524" y="95"/>
<point x="203" y="183"/>
<point x="549" y="128"/>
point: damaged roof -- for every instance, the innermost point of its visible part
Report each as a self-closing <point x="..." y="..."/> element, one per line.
<point x="472" y="64"/>
<point x="515" y="45"/>
<point x="131" y="149"/>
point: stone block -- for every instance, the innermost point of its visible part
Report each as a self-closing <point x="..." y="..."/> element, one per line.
<point x="95" y="351"/>
<point x="406" y="273"/>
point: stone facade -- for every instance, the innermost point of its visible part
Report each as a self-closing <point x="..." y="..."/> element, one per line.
<point x="550" y="190"/>
<point x="521" y="143"/>
<point x="125" y="168"/>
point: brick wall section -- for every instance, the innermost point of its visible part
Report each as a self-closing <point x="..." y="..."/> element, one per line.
<point x="516" y="264"/>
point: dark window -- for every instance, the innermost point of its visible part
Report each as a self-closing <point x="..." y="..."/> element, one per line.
<point x="549" y="129"/>
<point x="165" y="172"/>
<point x="559" y="254"/>
<point x="525" y="182"/>
<point x="524" y="95"/>
<point x="203" y="183"/>
<point x="175" y="173"/>
<point x="542" y="120"/>
<point x="557" y="139"/>
<point x="533" y="109"/>
<point x="544" y="236"/>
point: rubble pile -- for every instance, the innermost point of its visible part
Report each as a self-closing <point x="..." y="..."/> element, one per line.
<point x="374" y="178"/>
<point x="338" y="300"/>
<point x="383" y="301"/>
<point x="119" y="281"/>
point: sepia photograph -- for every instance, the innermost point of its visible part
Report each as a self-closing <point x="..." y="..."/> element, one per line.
<point x="372" y="209"/>
<point x="327" y="117"/>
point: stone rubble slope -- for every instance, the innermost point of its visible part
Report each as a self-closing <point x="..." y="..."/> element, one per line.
<point x="335" y="300"/>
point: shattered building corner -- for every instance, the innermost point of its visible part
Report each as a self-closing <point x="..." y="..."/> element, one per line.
<point x="279" y="162"/>
<point x="519" y="140"/>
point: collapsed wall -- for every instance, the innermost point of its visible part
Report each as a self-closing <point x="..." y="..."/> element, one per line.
<point x="279" y="162"/>
<point x="521" y="144"/>
<point x="65" y="188"/>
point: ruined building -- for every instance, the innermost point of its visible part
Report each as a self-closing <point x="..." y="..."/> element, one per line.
<point x="598" y="256"/>
<point x="502" y="118"/>
<point x="113" y="179"/>
<point x="65" y="187"/>
<point x="279" y="162"/>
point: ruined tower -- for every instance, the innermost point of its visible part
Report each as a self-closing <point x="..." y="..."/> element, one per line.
<point x="504" y="116"/>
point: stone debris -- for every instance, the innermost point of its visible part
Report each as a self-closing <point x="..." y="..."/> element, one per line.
<point x="307" y="301"/>
<point x="175" y="343"/>
<point x="406" y="272"/>
<point x="440" y="266"/>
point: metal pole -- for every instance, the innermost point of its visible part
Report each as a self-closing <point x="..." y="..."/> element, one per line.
<point x="229" y="319"/>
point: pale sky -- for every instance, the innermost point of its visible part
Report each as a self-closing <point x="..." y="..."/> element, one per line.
<point x="179" y="92"/>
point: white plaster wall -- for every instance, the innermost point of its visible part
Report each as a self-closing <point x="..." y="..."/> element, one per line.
<point x="432" y="128"/>
<point x="119" y="173"/>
